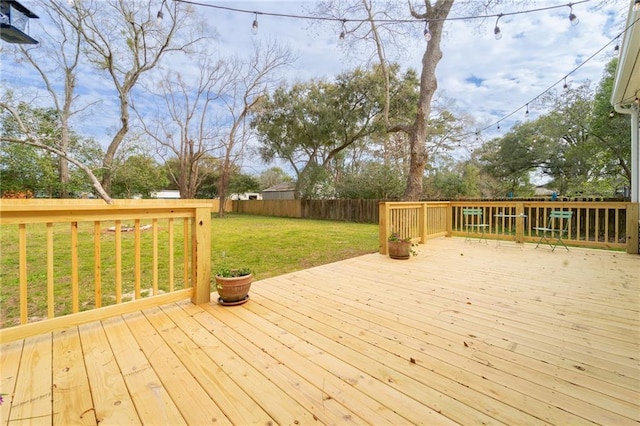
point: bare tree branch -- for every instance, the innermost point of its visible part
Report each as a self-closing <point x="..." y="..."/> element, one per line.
<point x="32" y="139"/>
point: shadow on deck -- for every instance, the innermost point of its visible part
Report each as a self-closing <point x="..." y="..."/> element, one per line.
<point x="463" y="333"/>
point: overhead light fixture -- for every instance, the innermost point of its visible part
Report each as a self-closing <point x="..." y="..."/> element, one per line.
<point x="496" y="30"/>
<point x="343" y="33"/>
<point x="14" y="18"/>
<point x="160" y="15"/>
<point x="254" y="26"/>
<point x="572" y="16"/>
<point x="427" y="31"/>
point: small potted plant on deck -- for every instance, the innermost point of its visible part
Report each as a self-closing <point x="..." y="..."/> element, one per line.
<point x="400" y="248"/>
<point x="233" y="285"/>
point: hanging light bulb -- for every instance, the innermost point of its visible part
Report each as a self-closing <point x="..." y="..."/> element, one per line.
<point x="636" y="5"/>
<point x="498" y="125"/>
<point x="343" y="33"/>
<point x="612" y="114"/>
<point x="572" y="16"/>
<point x="254" y="25"/>
<point x="496" y="30"/>
<point x="527" y="111"/>
<point x="427" y="32"/>
<point x="160" y="15"/>
<point x="566" y="86"/>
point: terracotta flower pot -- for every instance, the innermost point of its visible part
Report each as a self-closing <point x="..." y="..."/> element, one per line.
<point x="399" y="249"/>
<point x="233" y="290"/>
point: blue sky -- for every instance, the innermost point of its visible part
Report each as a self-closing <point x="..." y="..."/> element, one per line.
<point x="480" y="76"/>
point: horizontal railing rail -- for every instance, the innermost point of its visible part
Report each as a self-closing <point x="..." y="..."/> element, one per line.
<point x="418" y="221"/>
<point x="607" y="225"/>
<point x="65" y="260"/>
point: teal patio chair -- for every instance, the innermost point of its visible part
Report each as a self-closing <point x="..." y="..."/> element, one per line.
<point x="557" y="227"/>
<point x="473" y="222"/>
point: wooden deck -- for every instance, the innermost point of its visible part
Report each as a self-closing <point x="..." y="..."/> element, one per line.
<point x="465" y="333"/>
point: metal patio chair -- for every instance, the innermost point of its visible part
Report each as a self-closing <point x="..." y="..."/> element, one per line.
<point x="557" y="227"/>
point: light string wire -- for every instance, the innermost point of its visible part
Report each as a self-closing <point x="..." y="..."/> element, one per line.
<point x="614" y="39"/>
<point x="388" y="21"/>
<point x="461" y="18"/>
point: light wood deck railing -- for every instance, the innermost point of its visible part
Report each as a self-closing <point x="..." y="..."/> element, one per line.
<point x="610" y="225"/>
<point x="93" y="257"/>
<point x="418" y="221"/>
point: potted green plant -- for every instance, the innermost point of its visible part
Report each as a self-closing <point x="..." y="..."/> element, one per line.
<point x="233" y="285"/>
<point x="400" y="248"/>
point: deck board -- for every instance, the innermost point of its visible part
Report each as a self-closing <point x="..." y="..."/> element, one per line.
<point x="464" y="333"/>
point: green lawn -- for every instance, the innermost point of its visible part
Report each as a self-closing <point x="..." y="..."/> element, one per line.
<point x="269" y="246"/>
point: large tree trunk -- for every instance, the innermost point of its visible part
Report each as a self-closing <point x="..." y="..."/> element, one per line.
<point x="63" y="163"/>
<point x="428" y="84"/>
<point x="223" y="185"/>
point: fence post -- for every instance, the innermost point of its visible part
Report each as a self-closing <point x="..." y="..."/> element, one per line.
<point x="382" y="226"/>
<point x="202" y="263"/>
<point x="520" y="223"/>
<point x="633" y="216"/>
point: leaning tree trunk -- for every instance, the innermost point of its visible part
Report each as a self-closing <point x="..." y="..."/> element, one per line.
<point x="428" y="84"/>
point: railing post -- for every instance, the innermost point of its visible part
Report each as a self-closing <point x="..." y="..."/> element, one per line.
<point x="633" y="216"/>
<point x="202" y="262"/>
<point x="382" y="226"/>
<point x="449" y="219"/>
<point x="520" y="223"/>
<point x="423" y="228"/>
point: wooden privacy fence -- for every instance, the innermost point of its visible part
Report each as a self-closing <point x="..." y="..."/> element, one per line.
<point x="363" y="211"/>
<point x="610" y="225"/>
<point x="96" y="257"/>
<point x="281" y="208"/>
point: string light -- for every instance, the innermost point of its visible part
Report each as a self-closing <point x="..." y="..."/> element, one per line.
<point x="343" y="33"/>
<point x="385" y="21"/>
<point x="572" y="16"/>
<point x="254" y="25"/>
<point x="160" y="15"/>
<point x="613" y="40"/>
<point x="526" y="113"/>
<point x="566" y="86"/>
<point x="636" y="5"/>
<point x="496" y="30"/>
<point x="427" y="32"/>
